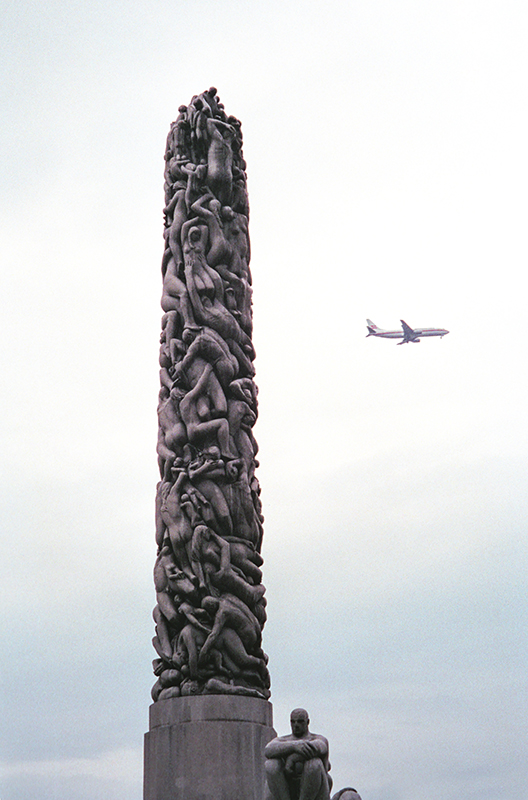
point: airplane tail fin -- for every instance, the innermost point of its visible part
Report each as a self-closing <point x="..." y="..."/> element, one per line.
<point x="372" y="328"/>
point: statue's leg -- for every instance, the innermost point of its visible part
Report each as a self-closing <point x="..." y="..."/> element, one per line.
<point x="276" y="786"/>
<point x="314" y="781"/>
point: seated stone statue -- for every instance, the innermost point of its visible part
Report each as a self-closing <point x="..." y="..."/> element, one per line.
<point x="297" y="765"/>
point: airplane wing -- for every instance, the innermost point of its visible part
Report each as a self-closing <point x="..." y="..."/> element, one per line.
<point x="407" y="330"/>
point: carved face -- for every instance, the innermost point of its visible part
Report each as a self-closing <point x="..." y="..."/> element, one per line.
<point x="195" y="235"/>
<point x="196" y="239"/>
<point x="299" y="722"/>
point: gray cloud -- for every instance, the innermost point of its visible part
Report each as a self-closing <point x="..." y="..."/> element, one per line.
<point x="386" y="152"/>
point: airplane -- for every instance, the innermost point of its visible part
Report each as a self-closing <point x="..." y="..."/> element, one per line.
<point x="407" y="334"/>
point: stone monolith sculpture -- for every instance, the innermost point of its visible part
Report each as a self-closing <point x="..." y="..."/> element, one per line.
<point x="210" y="719"/>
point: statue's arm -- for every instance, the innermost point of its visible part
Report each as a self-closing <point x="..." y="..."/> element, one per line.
<point x="279" y="748"/>
<point x="319" y="747"/>
<point x="307" y="748"/>
<point x="187" y="611"/>
<point x="225" y="552"/>
<point x="193" y="395"/>
<point x="213" y="636"/>
<point x="198" y="207"/>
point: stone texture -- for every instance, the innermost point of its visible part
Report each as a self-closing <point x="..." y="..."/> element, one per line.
<point x="210" y="607"/>
<point x="297" y="764"/>
<point x="207" y="746"/>
<point x="346" y="794"/>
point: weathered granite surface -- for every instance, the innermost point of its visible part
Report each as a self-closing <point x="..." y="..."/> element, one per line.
<point x="205" y="747"/>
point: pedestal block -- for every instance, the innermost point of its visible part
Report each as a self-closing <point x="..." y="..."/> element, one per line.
<point x="207" y="747"/>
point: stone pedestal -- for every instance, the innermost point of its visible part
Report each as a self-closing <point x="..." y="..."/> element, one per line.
<point x="207" y="747"/>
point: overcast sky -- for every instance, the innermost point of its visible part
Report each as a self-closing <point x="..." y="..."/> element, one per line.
<point x="387" y="147"/>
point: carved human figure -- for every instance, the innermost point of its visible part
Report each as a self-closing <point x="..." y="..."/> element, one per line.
<point x="175" y="215"/>
<point x="297" y="764"/>
<point x="236" y="228"/>
<point x="236" y="633"/>
<point x="169" y="329"/>
<point x="190" y="640"/>
<point x="210" y="553"/>
<point x="212" y="563"/>
<point x="244" y="556"/>
<point x="206" y="291"/>
<point x="165" y="611"/>
<point x="217" y="686"/>
<point x="175" y="297"/>
<point x="201" y="409"/>
<point x="204" y="284"/>
<point x="228" y="235"/>
<point x="178" y="139"/>
<point x="176" y="521"/>
<point x="240" y="499"/>
<point x="228" y="253"/>
<point x="196" y="174"/>
<point x="205" y="500"/>
<point x="242" y="415"/>
<point x="212" y="102"/>
<point x="220" y="158"/>
<point x="172" y="433"/>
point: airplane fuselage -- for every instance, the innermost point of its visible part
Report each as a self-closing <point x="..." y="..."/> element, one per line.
<point x="387" y="334"/>
<point x="407" y="334"/>
<point x="419" y="333"/>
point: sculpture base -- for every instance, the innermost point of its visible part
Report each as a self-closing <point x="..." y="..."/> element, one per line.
<point x="207" y="747"/>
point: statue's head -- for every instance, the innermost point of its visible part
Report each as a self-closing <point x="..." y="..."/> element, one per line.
<point x="299" y="722"/>
<point x="210" y="604"/>
<point x="202" y="532"/>
<point x="195" y="235"/>
<point x="346" y="794"/>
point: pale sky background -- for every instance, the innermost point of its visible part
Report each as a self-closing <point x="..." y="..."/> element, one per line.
<point x="386" y="143"/>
